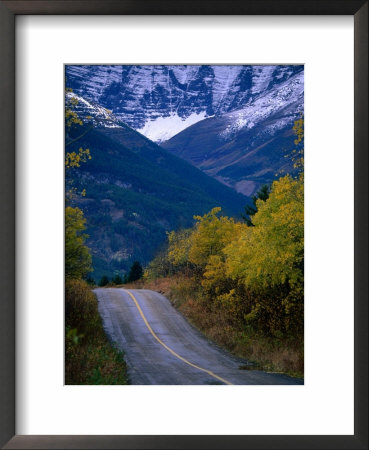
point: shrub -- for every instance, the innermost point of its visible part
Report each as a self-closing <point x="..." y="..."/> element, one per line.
<point x="89" y="357"/>
<point x="80" y="306"/>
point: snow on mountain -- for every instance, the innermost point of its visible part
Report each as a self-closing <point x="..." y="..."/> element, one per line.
<point x="246" y="148"/>
<point x="163" y="128"/>
<point x="289" y="93"/>
<point x="224" y="78"/>
<point x="158" y="130"/>
<point x="261" y="78"/>
<point x="91" y="113"/>
<point x="160" y="101"/>
<point x="93" y="78"/>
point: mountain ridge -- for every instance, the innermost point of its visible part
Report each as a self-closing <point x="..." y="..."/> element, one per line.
<point x="143" y="96"/>
<point x="247" y="147"/>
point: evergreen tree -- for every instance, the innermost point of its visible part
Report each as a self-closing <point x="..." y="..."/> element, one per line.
<point x="104" y="281"/>
<point x="135" y="272"/>
<point x="117" y="279"/>
<point x="251" y="210"/>
<point x="89" y="280"/>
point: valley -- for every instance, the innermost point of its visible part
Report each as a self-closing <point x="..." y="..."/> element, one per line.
<point x="136" y="192"/>
<point x="171" y="142"/>
<point x="184" y="224"/>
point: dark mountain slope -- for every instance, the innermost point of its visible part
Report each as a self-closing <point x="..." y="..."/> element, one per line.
<point x="247" y="161"/>
<point x="247" y="147"/>
<point x="135" y="192"/>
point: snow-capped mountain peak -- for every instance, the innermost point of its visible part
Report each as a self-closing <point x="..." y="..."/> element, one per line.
<point x="285" y="96"/>
<point x="160" y="101"/>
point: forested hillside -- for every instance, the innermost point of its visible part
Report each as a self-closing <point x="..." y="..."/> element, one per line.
<point x="135" y="192"/>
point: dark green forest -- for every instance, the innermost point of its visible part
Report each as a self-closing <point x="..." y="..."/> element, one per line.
<point x="135" y="192"/>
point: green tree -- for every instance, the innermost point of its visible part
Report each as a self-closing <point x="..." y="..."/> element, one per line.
<point x="103" y="281"/>
<point x="90" y="281"/>
<point x="251" y="210"/>
<point x="117" y="279"/>
<point x="135" y="272"/>
<point x="160" y="266"/>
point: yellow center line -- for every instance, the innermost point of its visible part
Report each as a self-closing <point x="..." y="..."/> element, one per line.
<point x="168" y="348"/>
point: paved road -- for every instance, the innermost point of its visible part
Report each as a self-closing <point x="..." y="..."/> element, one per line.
<point x="161" y="347"/>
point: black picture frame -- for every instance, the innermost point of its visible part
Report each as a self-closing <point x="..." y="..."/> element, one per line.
<point x="8" y="11"/>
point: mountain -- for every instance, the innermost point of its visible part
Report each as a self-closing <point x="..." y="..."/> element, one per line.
<point x="160" y="101"/>
<point x="223" y="131"/>
<point x="247" y="147"/>
<point x="136" y="192"/>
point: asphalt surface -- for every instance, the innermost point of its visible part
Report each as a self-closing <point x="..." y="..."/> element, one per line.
<point x="161" y="347"/>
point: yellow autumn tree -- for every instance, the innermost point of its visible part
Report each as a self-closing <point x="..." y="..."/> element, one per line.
<point x="77" y="256"/>
<point x="271" y="253"/>
<point x="268" y="259"/>
<point x="178" y="247"/>
<point x="211" y="237"/>
<point x="298" y="153"/>
<point x="211" y="234"/>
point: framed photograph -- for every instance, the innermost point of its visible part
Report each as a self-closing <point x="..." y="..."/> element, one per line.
<point x="161" y="164"/>
<point x="213" y="154"/>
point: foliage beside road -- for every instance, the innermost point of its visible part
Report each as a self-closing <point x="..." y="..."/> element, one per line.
<point x="242" y="283"/>
<point x="89" y="356"/>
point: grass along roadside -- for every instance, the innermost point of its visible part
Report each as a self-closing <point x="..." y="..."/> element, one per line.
<point x="89" y="356"/>
<point x="270" y="353"/>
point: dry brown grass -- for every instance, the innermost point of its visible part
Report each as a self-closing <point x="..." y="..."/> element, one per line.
<point x="161" y="285"/>
<point x="276" y="354"/>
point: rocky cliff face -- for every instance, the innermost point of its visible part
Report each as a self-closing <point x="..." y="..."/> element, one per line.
<point x="161" y="101"/>
<point x="249" y="146"/>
